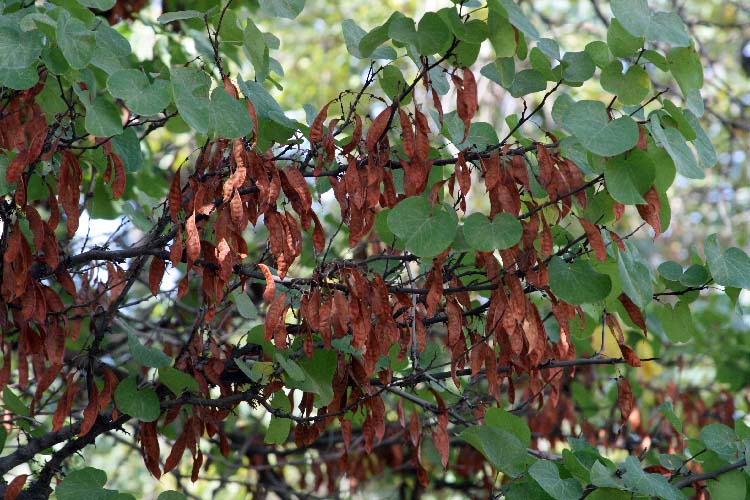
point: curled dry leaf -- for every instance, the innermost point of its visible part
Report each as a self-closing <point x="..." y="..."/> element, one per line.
<point x="118" y="185"/>
<point x="594" y="236"/>
<point x="316" y="129"/>
<point x="155" y="274"/>
<point x="150" y="448"/>
<point x="467" y="102"/>
<point x="356" y="136"/>
<point x="650" y="211"/>
<point x="175" y="196"/>
<point x="624" y="398"/>
<point x="634" y="312"/>
<point x="378" y="129"/>
<point x="407" y="134"/>
<point x="178" y="448"/>
<point x="90" y="412"/>
<point x="270" y="292"/>
<point x="193" y="240"/>
<point x="15" y="487"/>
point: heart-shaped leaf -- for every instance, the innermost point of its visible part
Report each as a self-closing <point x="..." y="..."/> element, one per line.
<point x="638" y="19"/>
<point x="140" y="96"/>
<point x="629" y="176"/>
<point x="484" y="235"/>
<point x="142" y="404"/>
<point x="425" y="230"/>
<point x="674" y="143"/>
<point x="588" y="121"/>
<point x="577" y="283"/>
<point x="729" y="268"/>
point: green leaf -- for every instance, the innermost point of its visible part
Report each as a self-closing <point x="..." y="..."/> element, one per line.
<point x="177" y="381"/>
<point x="484" y="235"/>
<point x="720" y="439"/>
<point x="179" y="15"/>
<point x="635" y="277"/>
<point x="18" y="49"/>
<point x="685" y="65"/>
<point x="670" y="270"/>
<point x="111" y="41"/>
<point x="248" y="370"/>
<point x="319" y="372"/>
<point x="14" y="404"/>
<point x="290" y="367"/>
<point x="678" y="322"/>
<point x="140" y="96"/>
<point x="353" y="35"/>
<point x="648" y="484"/>
<point x="425" y="230"/>
<point x="501" y="34"/>
<point x="128" y="147"/>
<point x="228" y="117"/>
<point x="142" y="404"/>
<point x="546" y="473"/>
<point x="431" y="33"/>
<point x="638" y="19"/>
<point x="465" y="54"/>
<point x="543" y="65"/>
<point x="102" y="118"/>
<point x="147" y="356"/>
<point x="497" y="417"/>
<point x="706" y="152"/>
<point x="265" y="105"/>
<point x="577" y="283"/>
<point x="599" y="53"/>
<point x="694" y="275"/>
<point x="730" y="486"/>
<point x="630" y="88"/>
<point x="75" y="40"/>
<point x="671" y="462"/>
<point x="393" y="83"/>
<point x="245" y="306"/>
<point x="578" y="66"/>
<point x="515" y="15"/>
<point x="602" y="477"/>
<point x="474" y="31"/>
<point x="676" y="115"/>
<point x="621" y="42"/>
<point x="279" y="427"/>
<point x="98" y="4"/>
<point x="729" y="268"/>
<point x="403" y="30"/>
<point x="85" y="484"/>
<point x="19" y="79"/>
<point x="674" y="143"/>
<point x="374" y="39"/>
<point x="282" y="8"/>
<point x="171" y="495"/>
<point x="575" y="467"/>
<point x="588" y="121"/>
<point x="629" y="176"/>
<point x="549" y="48"/>
<point x="501" y="448"/>
<point x="694" y="102"/>
<point x="527" y="81"/>
<point x="190" y="88"/>
<point x="254" y="44"/>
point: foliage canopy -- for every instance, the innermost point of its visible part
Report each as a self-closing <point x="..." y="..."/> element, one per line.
<point x="385" y="286"/>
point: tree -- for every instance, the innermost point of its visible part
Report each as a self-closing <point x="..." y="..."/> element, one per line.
<point x="390" y="288"/>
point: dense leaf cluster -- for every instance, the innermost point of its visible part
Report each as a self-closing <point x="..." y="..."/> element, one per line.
<point x="390" y="286"/>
